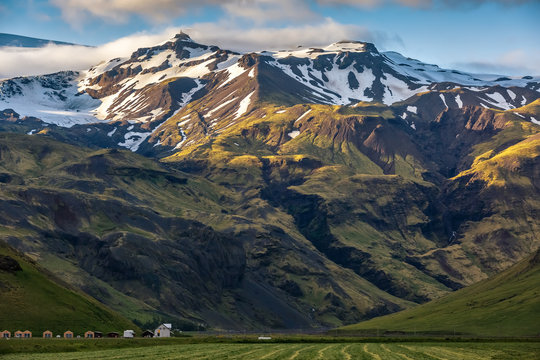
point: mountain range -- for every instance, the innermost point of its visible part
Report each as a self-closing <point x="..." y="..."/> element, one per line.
<point x="302" y="188"/>
<point x="25" y="41"/>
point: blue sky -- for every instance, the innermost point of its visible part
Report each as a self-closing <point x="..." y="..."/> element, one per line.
<point x="475" y="35"/>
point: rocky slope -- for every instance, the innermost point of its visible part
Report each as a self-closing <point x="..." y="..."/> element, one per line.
<point x="304" y="188"/>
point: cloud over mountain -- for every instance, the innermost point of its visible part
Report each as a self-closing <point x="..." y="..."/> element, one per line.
<point x="259" y="11"/>
<point x="16" y="61"/>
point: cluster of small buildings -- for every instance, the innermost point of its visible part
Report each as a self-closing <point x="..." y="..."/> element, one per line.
<point x="163" y="330"/>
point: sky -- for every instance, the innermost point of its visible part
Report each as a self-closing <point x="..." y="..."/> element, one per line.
<point x="482" y="36"/>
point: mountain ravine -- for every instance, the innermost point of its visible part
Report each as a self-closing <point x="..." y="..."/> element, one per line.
<point x="291" y="189"/>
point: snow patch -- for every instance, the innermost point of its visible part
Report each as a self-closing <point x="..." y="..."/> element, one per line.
<point x="186" y="98"/>
<point x="61" y="104"/>
<point x="302" y="116"/>
<point x="336" y="89"/>
<point x="397" y="90"/>
<point x="132" y="140"/>
<point x="184" y="122"/>
<point x="234" y="71"/>
<point x="294" y="134"/>
<point x="217" y="108"/>
<point x="244" y="104"/>
<point x="459" y="102"/>
<point x="499" y="101"/>
<point x="111" y="133"/>
<point x="534" y="121"/>
<point x="281" y="111"/>
<point x="184" y="138"/>
<point x="412" y="109"/>
<point x="428" y="73"/>
<point x="443" y="100"/>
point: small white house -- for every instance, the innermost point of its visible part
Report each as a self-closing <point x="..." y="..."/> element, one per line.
<point x="129" y="333"/>
<point x="163" y="330"/>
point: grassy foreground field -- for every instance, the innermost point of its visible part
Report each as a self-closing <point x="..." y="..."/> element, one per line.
<point x="298" y="351"/>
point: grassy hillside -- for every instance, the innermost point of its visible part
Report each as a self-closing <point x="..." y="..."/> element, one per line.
<point x="126" y="230"/>
<point x="507" y="304"/>
<point x="30" y="299"/>
<point x="300" y="216"/>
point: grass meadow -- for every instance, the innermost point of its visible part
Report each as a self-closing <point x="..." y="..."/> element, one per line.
<point x="347" y="349"/>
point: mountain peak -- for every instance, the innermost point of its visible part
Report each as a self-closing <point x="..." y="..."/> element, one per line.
<point x="335" y="48"/>
<point x="353" y="46"/>
<point x="182" y="36"/>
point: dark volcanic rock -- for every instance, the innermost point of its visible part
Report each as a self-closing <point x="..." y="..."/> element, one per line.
<point x="8" y="264"/>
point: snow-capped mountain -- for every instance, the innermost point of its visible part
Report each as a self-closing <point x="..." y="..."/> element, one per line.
<point x="295" y="188"/>
<point x="140" y="94"/>
<point x="25" y="41"/>
<point x="54" y="98"/>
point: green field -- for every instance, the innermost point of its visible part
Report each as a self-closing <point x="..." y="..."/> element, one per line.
<point x="298" y="351"/>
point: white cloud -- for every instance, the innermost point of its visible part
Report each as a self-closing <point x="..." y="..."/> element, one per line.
<point x="76" y="12"/>
<point x="272" y="38"/>
<point x="15" y="61"/>
<point x="420" y="3"/>
<point x="18" y="61"/>
<point x="516" y="62"/>
<point x="270" y="11"/>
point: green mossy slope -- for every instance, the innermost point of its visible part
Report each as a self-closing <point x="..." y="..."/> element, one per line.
<point x="507" y="304"/>
<point x="32" y="299"/>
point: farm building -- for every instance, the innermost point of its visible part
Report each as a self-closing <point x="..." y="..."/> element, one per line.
<point x="163" y="330"/>
<point x="98" y="334"/>
<point x="18" y="334"/>
<point x="113" y="334"/>
<point x="68" y="335"/>
<point x="27" y="334"/>
<point x="47" y="334"/>
<point x="147" y="334"/>
<point x="89" y="335"/>
<point x="129" y="333"/>
<point x="5" y="334"/>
